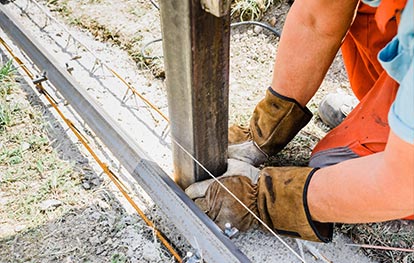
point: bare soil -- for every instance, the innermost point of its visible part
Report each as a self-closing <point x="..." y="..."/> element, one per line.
<point x="55" y="207"/>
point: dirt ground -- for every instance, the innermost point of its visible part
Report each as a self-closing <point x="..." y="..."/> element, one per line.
<point x="100" y="228"/>
<point x="55" y="207"/>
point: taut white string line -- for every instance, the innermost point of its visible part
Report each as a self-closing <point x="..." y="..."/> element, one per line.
<point x="238" y="200"/>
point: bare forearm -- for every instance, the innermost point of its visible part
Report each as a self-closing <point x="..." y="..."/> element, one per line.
<point x="374" y="188"/>
<point x="311" y="37"/>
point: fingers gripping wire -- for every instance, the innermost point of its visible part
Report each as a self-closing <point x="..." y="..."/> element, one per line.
<point x="238" y="200"/>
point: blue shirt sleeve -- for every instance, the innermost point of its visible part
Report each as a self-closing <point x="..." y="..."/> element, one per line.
<point x="397" y="59"/>
<point x="373" y="3"/>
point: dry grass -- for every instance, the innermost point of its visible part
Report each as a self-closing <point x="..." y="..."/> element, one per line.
<point x="398" y="234"/>
<point x="131" y="45"/>
<point x="246" y="10"/>
<point x="99" y="31"/>
<point x="114" y="36"/>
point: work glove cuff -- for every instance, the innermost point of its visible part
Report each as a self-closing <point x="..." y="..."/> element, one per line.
<point x="276" y="120"/>
<point x="282" y="203"/>
<point x="323" y="231"/>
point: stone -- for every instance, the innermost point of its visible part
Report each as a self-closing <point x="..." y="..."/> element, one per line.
<point x="86" y="186"/>
<point x="272" y="21"/>
<point x="257" y="29"/>
<point x="94" y="240"/>
<point x="49" y="204"/>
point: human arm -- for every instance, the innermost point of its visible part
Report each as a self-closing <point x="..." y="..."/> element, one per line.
<point x="374" y="188"/>
<point x="380" y="186"/>
<point x="384" y="182"/>
<point x="296" y="201"/>
<point x="311" y="37"/>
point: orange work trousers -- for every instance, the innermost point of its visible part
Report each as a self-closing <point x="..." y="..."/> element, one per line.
<point x="365" y="131"/>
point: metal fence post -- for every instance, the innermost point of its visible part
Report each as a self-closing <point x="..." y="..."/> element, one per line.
<point x="196" y="47"/>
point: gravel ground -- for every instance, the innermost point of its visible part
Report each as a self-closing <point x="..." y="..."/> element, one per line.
<point x="103" y="229"/>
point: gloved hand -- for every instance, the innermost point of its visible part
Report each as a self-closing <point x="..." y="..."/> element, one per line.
<point x="240" y="175"/>
<point x="234" y="167"/>
<point x="275" y="121"/>
<point x="279" y="199"/>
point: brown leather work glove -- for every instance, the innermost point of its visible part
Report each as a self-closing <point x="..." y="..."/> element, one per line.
<point x="234" y="167"/>
<point x="279" y="199"/>
<point x="275" y="121"/>
<point x="223" y="208"/>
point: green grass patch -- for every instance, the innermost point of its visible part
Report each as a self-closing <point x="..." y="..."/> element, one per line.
<point x="6" y="79"/>
<point x="7" y="108"/>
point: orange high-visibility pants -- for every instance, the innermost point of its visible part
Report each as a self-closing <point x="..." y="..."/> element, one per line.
<point x="365" y="131"/>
